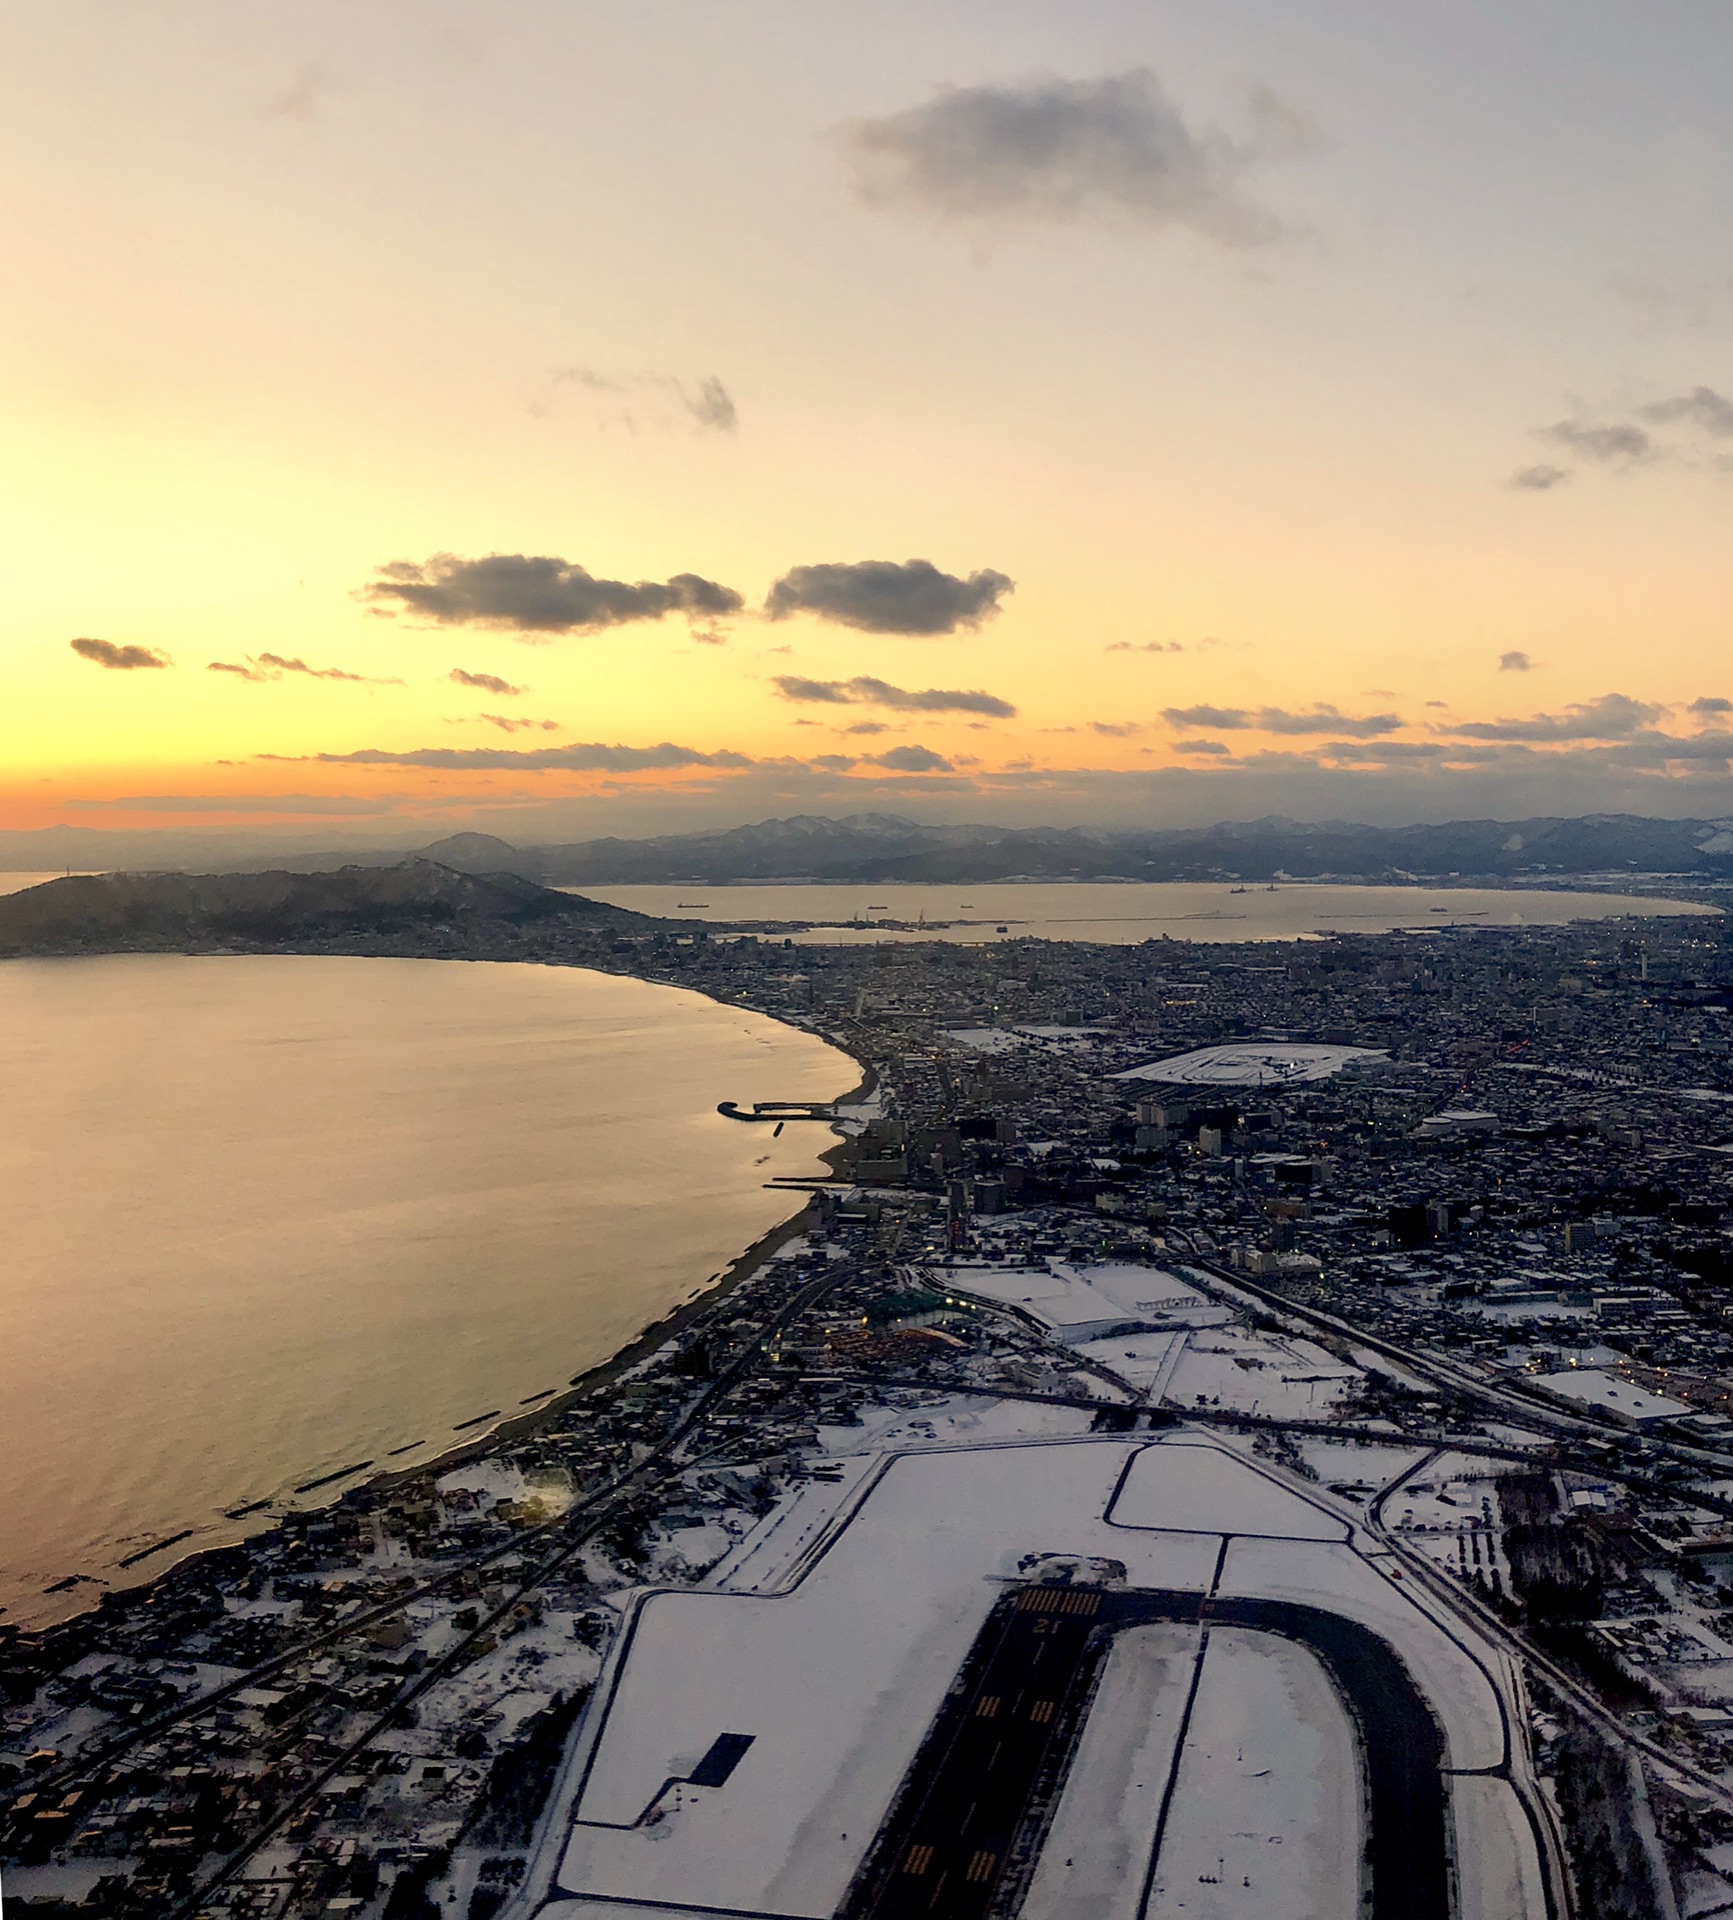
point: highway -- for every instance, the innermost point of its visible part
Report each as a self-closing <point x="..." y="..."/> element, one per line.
<point x="966" y="1824"/>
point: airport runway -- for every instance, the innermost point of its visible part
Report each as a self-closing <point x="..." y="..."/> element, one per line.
<point x="962" y="1832"/>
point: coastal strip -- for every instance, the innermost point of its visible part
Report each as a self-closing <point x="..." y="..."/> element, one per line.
<point x="538" y="1408"/>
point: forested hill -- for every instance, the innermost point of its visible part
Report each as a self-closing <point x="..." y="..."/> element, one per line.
<point x="102" y="911"/>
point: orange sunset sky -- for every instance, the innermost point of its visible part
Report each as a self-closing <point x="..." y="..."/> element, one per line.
<point x="530" y="416"/>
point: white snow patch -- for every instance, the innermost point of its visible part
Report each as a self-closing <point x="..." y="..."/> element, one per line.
<point x="1268" y="1791"/>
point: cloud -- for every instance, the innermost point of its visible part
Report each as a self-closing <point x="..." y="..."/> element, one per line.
<point x="587" y="757"/>
<point x="1624" y="445"/>
<point x="1116" y="729"/>
<point x="887" y="596"/>
<point x="864" y="691"/>
<point x="1114" y="151"/>
<point x="536" y="593"/>
<point x="1702" y="407"/>
<point x="1540" y="479"/>
<point x="273" y="666"/>
<point x="507" y="723"/>
<point x="1323" y="718"/>
<point x="1612" y="717"/>
<point x="484" y="682"/>
<point x="912" y="760"/>
<point x="600" y="757"/>
<point x="1711" y="703"/>
<point x="1146" y="646"/>
<point x="639" y="402"/>
<point x="1516" y="661"/>
<point x="1620" y="444"/>
<point x="1201" y="746"/>
<point x="105" y="653"/>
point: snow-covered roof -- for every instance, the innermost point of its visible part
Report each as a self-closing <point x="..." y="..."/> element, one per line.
<point x="1253" y="1063"/>
<point x="1607" y="1393"/>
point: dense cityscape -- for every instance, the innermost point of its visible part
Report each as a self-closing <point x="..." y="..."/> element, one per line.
<point x="1442" y="1233"/>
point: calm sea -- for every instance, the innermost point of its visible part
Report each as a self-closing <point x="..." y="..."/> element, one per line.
<point x="1122" y="913"/>
<point x="264" y="1218"/>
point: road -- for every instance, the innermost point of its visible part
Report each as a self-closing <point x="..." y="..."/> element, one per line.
<point x="664" y="1457"/>
<point x="967" y="1820"/>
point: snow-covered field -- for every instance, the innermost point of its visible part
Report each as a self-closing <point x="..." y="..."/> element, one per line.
<point x="1076" y="1303"/>
<point x="1094" y="1860"/>
<point x="836" y="1679"/>
<point x="1284" y="1377"/>
<point x="1266" y="1808"/>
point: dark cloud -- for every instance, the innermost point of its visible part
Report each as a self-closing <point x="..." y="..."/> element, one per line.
<point x="1620" y="444"/>
<point x="273" y="666"/>
<point x="127" y="659"/>
<point x="1116" y="729"/>
<point x="507" y="723"/>
<point x="813" y="692"/>
<point x="1711" y="703"/>
<point x="1201" y="746"/>
<point x="888" y="596"/>
<point x="1539" y="479"/>
<point x="1321" y="719"/>
<point x="1114" y="151"/>
<point x="912" y="760"/>
<point x="641" y="402"/>
<point x="864" y="691"/>
<point x="537" y="593"/>
<point x="1516" y="661"/>
<point x="484" y="682"/>
<point x="1612" y="717"/>
<point x="1702" y="407"/>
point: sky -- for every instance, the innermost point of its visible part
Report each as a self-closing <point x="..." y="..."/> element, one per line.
<point x="558" y="418"/>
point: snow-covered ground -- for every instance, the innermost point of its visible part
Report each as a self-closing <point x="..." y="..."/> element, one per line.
<point x="1253" y="1063"/>
<point x="837" y="1678"/>
<point x="1267" y="1802"/>
<point x="1193" y="1485"/>
<point x="1076" y="1304"/>
<point x="1093" y="1862"/>
<point x="1284" y="1377"/>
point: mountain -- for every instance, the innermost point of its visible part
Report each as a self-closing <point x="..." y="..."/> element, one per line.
<point x="877" y="847"/>
<point x="475" y="853"/>
<point x="99" y="909"/>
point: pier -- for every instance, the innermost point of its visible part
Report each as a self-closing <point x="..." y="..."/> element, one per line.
<point x="779" y="1110"/>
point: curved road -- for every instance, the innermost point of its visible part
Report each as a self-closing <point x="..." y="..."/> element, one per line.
<point x="998" y="1750"/>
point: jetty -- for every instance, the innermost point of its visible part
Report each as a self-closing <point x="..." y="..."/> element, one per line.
<point x="779" y="1110"/>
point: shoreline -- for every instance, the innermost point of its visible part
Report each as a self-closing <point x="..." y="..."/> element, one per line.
<point x="95" y="1589"/>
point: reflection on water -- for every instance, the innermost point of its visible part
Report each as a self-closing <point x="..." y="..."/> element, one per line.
<point x="1123" y="913"/>
<point x="273" y="1216"/>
